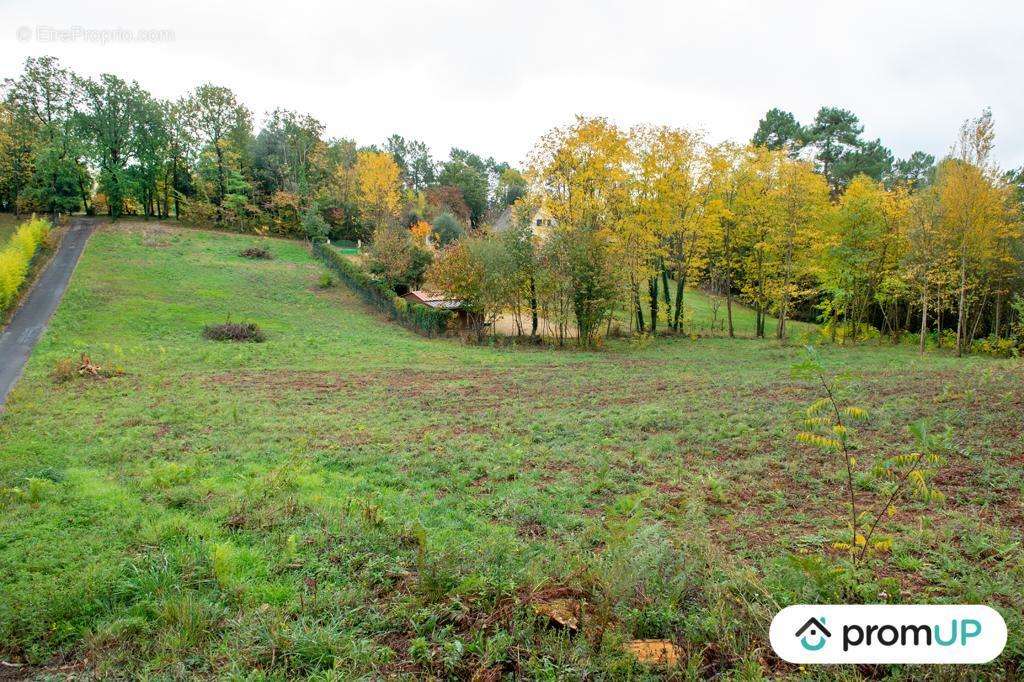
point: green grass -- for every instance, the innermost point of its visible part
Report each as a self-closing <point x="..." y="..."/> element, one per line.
<point x="706" y="314"/>
<point x="349" y="499"/>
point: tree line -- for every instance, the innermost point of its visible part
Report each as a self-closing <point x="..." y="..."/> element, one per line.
<point x="107" y="146"/>
<point x="806" y="222"/>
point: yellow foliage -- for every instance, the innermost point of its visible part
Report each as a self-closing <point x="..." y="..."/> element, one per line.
<point x="16" y="256"/>
<point x="379" y="181"/>
<point x="817" y="406"/>
<point x="816" y="422"/>
<point x="817" y="440"/>
<point x="421" y="230"/>
<point x="584" y="171"/>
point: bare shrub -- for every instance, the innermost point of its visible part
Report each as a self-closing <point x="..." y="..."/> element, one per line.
<point x="234" y="331"/>
<point x="257" y="253"/>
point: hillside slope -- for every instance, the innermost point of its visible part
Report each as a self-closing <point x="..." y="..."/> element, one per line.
<point x="350" y="499"/>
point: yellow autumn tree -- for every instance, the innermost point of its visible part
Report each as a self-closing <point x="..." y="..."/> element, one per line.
<point x="978" y="216"/>
<point x="378" y="178"/>
<point x="728" y="170"/>
<point x="641" y="232"/>
<point x="678" y="202"/>
<point x="581" y="173"/>
<point x="759" y="223"/>
<point x="804" y="208"/>
<point x="929" y="263"/>
<point x="672" y="196"/>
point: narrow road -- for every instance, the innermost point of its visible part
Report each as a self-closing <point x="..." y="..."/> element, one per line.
<point x="29" y="322"/>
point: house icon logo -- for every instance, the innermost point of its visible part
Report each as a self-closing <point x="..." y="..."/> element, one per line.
<point x="813" y="634"/>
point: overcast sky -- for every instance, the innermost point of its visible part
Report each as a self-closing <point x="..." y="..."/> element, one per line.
<point x="493" y="76"/>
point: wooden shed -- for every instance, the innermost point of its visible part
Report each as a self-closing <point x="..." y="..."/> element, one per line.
<point x="466" y="319"/>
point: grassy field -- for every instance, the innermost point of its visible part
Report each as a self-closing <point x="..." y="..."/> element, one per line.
<point x="349" y="499"/>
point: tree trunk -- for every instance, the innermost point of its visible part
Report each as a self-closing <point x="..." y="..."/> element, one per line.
<point x="997" y="322"/>
<point x="680" y="293"/>
<point x="640" y="325"/>
<point x="85" y="196"/>
<point x="728" y="280"/>
<point x="759" y="332"/>
<point x="652" y="286"/>
<point x="780" y="328"/>
<point x="222" y="187"/>
<point x="924" y="316"/>
<point x="533" y="307"/>
<point x="728" y="308"/>
<point x="174" y="187"/>
<point x="667" y="294"/>
<point x="961" y="323"/>
<point x="977" y="321"/>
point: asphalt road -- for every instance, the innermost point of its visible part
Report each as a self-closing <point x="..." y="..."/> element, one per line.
<point x="29" y="322"/>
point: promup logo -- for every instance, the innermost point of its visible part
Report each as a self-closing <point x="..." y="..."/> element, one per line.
<point x="817" y="629"/>
<point x="888" y="634"/>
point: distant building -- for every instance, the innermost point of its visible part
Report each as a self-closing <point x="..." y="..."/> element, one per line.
<point x="540" y="222"/>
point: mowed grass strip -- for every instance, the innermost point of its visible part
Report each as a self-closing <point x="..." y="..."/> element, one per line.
<point x="348" y="498"/>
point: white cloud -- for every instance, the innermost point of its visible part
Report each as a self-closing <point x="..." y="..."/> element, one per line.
<point x="493" y="76"/>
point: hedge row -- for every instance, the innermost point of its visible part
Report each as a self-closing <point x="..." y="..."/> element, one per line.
<point x="17" y="255"/>
<point x="416" y="316"/>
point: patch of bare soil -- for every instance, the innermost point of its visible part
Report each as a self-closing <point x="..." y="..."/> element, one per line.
<point x="474" y="390"/>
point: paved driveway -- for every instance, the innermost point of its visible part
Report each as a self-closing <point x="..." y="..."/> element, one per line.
<point x="29" y="322"/>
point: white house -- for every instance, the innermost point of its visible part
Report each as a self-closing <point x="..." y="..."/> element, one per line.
<point x="541" y="221"/>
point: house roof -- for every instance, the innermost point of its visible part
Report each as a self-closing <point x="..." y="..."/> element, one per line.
<point x="433" y="299"/>
<point x="506" y="219"/>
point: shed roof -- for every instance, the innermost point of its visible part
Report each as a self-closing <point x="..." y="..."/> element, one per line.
<point x="433" y="299"/>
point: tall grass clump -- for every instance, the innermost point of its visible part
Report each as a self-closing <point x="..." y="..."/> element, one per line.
<point x="17" y="255"/>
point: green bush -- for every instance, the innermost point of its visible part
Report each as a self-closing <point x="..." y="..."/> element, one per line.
<point x="997" y="347"/>
<point x="448" y="228"/>
<point x="314" y="225"/>
<point x="415" y="316"/>
<point x="16" y="257"/>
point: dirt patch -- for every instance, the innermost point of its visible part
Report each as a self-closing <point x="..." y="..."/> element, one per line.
<point x="531" y="530"/>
